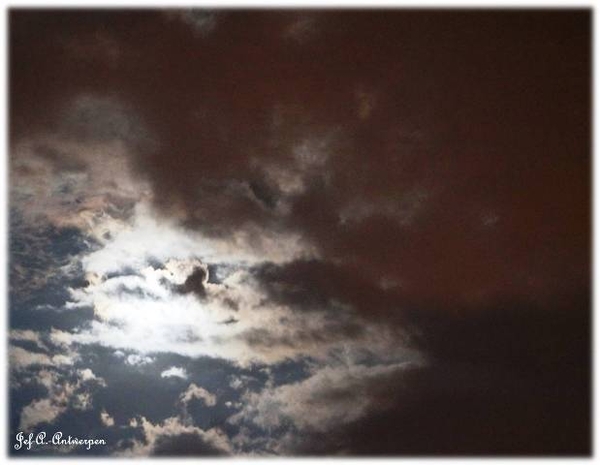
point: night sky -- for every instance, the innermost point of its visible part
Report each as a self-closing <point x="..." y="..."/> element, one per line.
<point x="301" y="232"/>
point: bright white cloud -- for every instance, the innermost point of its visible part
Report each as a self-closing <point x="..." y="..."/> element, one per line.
<point x="176" y="372"/>
<point x="144" y="313"/>
<point x="136" y="359"/>
<point x="88" y="375"/>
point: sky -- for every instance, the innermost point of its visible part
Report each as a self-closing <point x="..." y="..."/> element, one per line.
<point x="300" y="232"/>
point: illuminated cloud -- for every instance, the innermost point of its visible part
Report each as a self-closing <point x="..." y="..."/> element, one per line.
<point x="175" y="372"/>
<point x="106" y="419"/>
<point x="21" y="358"/>
<point x="62" y="394"/>
<point x="136" y="359"/>
<point x="172" y="437"/>
<point x="40" y="411"/>
<point x="331" y="397"/>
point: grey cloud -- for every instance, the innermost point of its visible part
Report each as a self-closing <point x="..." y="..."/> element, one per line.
<point x="196" y="392"/>
<point x="175" y="437"/>
<point x="195" y="283"/>
<point x="187" y="444"/>
<point x="70" y="389"/>
<point x="320" y="286"/>
<point x="327" y="400"/>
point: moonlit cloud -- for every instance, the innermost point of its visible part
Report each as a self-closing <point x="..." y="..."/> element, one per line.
<point x="61" y="395"/>
<point x="176" y="372"/>
<point x="20" y="358"/>
<point x="173" y="437"/>
<point x="87" y="375"/>
<point x="196" y="392"/>
<point x="135" y="359"/>
<point x="106" y="419"/>
<point x="40" y="411"/>
<point x="330" y="397"/>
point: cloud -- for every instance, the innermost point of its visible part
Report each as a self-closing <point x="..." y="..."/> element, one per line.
<point x="62" y="393"/>
<point x="171" y="437"/>
<point x="176" y="372"/>
<point x="196" y="392"/>
<point x="328" y="399"/>
<point x="236" y="382"/>
<point x="195" y="283"/>
<point x="136" y="359"/>
<point x="88" y="375"/>
<point x="106" y="419"/>
<point x="43" y="259"/>
<point x="40" y="411"/>
<point x="21" y="358"/>
<point x="175" y="306"/>
<point x="202" y="22"/>
<point x="65" y="184"/>
<point x="82" y="401"/>
<point x="27" y="335"/>
<point x="94" y="118"/>
<point x="391" y="188"/>
<point x="474" y="390"/>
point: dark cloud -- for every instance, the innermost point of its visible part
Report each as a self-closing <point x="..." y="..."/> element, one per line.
<point x="489" y="388"/>
<point x="491" y="371"/>
<point x="195" y="283"/>
<point x="186" y="444"/>
<point x="468" y="105"/>
<point x="452" y="409"/>
<point x="469" y="102"/>
<point x="316" y="285"/>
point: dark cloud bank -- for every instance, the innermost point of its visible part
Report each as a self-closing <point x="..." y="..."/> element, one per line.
<point x="438" y="162"/>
